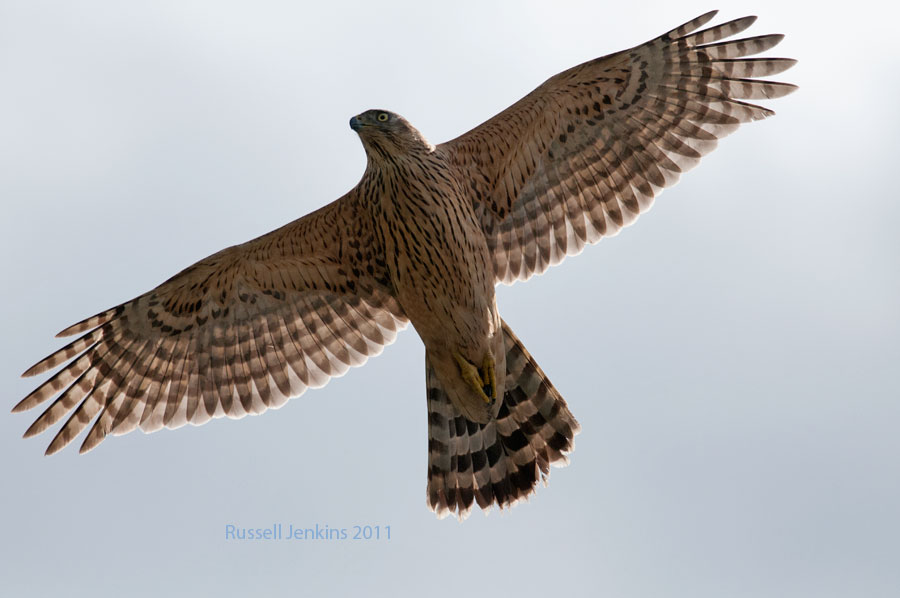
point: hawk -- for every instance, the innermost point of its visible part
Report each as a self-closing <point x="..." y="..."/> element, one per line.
<point x="425" y="237"/>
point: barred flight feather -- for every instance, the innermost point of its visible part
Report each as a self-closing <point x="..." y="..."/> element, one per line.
<point x="614" y="133"/>
<point x="225" y="338"/>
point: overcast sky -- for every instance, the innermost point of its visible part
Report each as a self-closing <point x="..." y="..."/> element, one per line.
<point x="732" y="358"/>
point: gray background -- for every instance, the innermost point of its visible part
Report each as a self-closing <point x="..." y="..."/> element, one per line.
<point x="732" y="358"/>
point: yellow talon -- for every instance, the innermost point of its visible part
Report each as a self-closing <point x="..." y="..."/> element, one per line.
<point x="482" y="382"/>
<point x="489" y="377"/>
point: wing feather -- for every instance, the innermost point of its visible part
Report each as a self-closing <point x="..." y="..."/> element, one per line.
<point x="235" y="334"/>
<point x="585" y="154"/>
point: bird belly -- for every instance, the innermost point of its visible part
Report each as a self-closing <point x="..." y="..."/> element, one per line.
<point x="444" y="280"/>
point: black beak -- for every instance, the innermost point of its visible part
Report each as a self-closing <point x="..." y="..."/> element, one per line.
<point x="355" y="124"/>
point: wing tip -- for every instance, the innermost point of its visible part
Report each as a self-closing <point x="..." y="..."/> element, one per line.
<point x="702" y="19"/>
<point x="692" y="25"/>
<point x="73" y="329"/>
<point x="787" y="89"/>
<point x="91" y="322"/>
<point x="34" y="429"/>
<point x="38" y="368"/>
<point x="60" y="442"/>
<point x="31" y="401"/>
<point x="54" y="447"/>
<point x="62" y="438"/>
<point x="87" y="447"/>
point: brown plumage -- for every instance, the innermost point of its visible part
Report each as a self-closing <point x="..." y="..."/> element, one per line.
<point x="424" y="237"/>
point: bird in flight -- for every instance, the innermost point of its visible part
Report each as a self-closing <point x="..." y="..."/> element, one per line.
<point x="425" y="237"/>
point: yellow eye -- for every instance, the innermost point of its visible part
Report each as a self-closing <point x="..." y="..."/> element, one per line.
<point x="383" y="117"/>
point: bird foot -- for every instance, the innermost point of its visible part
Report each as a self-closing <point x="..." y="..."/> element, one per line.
<point x="489" y="377"/>
<point x="482" y="380"/>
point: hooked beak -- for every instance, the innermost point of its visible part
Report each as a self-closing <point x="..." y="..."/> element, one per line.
<point x="355" y="124"/>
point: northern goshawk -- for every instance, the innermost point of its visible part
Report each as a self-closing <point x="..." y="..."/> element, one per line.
<point x="424" y="237"/>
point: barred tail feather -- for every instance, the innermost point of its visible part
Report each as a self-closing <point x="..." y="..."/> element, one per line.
<point x="499" y="462"/>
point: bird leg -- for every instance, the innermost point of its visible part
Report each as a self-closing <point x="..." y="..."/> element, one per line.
<point x="483" y="381"/>
<point x="489" y="377"/>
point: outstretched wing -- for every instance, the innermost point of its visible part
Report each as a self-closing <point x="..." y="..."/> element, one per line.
<point x="235" y="334"/>
<point x="585" y="153"/>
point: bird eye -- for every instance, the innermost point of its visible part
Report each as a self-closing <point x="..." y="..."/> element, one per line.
<point x="383" y="117"/>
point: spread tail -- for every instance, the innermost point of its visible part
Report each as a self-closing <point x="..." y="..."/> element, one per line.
<point x="501" y="461"/>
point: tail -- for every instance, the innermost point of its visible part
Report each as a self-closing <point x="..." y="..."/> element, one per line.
<point x="501" y="461"/>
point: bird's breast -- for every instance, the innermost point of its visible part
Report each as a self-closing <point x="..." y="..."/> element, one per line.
<point x="438" y="257"/>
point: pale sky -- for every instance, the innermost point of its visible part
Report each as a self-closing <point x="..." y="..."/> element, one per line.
<point x="732" y="358"/>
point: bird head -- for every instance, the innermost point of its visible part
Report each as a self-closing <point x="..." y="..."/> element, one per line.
<point x="385" y="134"/>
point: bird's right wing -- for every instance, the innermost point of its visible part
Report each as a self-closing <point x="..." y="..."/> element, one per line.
<point x="236" y="333"/>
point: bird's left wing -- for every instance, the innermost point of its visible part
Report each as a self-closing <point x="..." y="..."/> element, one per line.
<point x="235" y="334"/>
<point x="585" y="153"/>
